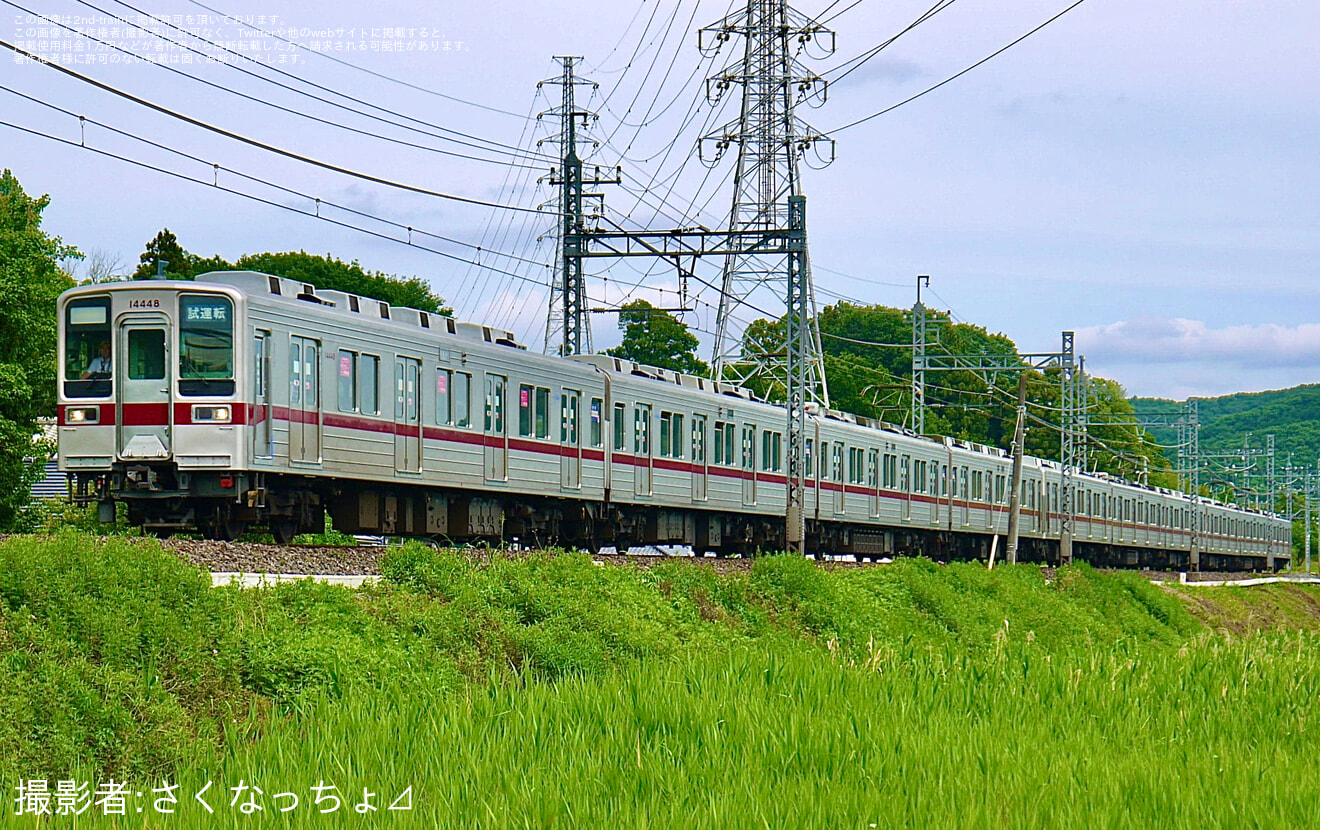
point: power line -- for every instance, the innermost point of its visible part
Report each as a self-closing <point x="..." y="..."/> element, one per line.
<point x="958" y="75"/>
<point x="516" y="151"/>
<point x="860" y="60"/>
<point x="253" y="142"/>
<point x="350" y="65"/>
<point x="290" y="208"/>
<point x="252" y="98"/>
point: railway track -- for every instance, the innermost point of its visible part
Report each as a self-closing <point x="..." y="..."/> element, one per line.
<point x="256" y="558"/>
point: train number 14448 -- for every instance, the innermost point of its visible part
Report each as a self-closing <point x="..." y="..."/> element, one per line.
<point x="144" y="304"/>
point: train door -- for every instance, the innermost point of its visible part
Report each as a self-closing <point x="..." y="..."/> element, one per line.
<point x="497" y="441"/>
<point x="407" y="417"/>
<point x="304" y="400"/>
<point x="143" y="391"/>
<point x="699" y="470"/>
<point x="262" y="435"/>
<point x="642" y="449"/>
<point x="937" y="473"/>
<point x="570" y="448"/>
<point x="749" y="464"/>
<point x="966" y="494"/>
<point x="905" y="485"/>
<point x="840" y="489"/>
<point x="873" y="481"/>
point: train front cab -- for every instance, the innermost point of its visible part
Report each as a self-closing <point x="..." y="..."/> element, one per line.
<point x="148" y="403"/>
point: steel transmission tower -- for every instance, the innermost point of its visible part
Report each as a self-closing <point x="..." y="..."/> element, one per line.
<point x="771" y="141"/>
<point x="568" y="324"/>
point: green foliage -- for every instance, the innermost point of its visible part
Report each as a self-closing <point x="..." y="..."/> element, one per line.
<point x="1291" y="415"/>
<point x="165" y="247"/>
<point x="656" y="338"/>
<point x="676" y="696"/>
<point x="868" y="363"/>
<point x="336" y="275"/>
<point x="321" y="271"/>
<point x="30" y="283"/>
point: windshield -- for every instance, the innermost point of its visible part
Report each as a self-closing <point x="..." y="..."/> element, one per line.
<point x="88" y="351"/>
<point x="206" y="345"/>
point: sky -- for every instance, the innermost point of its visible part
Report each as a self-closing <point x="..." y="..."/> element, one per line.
<point x="1140" y="173"/>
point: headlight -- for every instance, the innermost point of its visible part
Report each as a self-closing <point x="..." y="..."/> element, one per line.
<point x="211" y="414"/>
<point x="82" y="415"/>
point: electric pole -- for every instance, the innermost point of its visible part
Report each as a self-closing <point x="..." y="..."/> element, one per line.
<point x="771" y="140"/>
<point x="568" y="324"/>
<point x="919" y="335"/>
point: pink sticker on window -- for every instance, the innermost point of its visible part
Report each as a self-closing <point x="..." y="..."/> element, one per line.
<point x="345" y="366"/>
<point x="442" y="383"/>
<point x="524" y="397"/>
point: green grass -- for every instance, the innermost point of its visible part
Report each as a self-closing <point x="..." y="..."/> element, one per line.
<point x="550" y="691"/>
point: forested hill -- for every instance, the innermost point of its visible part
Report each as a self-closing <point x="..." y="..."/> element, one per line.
<point x="1292" y="415"/>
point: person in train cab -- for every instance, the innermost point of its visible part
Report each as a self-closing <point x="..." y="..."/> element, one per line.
<point x="100" y="365"/>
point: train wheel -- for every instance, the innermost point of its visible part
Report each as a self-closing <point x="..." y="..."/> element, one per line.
<point x="283" y="528"/>
<point x="222" y="525"/>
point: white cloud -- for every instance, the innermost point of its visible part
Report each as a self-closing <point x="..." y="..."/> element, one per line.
<point x="1162" y="340"/>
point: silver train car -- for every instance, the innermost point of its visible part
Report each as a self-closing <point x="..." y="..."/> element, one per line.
<point x="245" y="399"/>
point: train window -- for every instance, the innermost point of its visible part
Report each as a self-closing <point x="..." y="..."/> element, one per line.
<point x="642" y="430"/>
<point x="146" y="354"/>
<point x="872" y="465"/>
<point x="596" y="415"/>
<point x="677" y="445"/>
<point x="568" y="418"/>
<point x="807" y="457"/>
<point x="533" y="411"/>
<point x="86" y="335"/>
<point x="919" y="474"/>
<point x="944" y="479"/>
<point x="666" y="425"/>
<point x="347" y="381"/>
<point x="824" y="460"/>
<point x="295" y="373"/>
<point x="460" y="399"/>
<point x="494" y="423"/>
<point x="444" y="384"/>
<point x="724" y="438"/>
<point x="748" y="447"/>
<point x="206" y="345"/>
<point x="542" y="412"/>
<point x="771" y="443"/>
<point x="977" y="486"/>
<point x="999" y="489"/>
<point x="699" y="439"/>
<point x="905" y="474"/>
<point x="398" y="390"/>
<point x="369" y="384"/>
<point x="836" y="457"/>
<point x="620" y="429"/>
<point x="856" y="465"/>
<point x="525" y="411"/>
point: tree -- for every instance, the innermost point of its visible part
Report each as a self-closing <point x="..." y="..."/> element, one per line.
<point x="30" y="282"/>
<point x="333" y="274"/>
<point x="165" y="248"/>
<point x="657" y="338"/>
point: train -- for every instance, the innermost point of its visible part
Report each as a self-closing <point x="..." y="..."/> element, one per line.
<point x="243" y="399"/>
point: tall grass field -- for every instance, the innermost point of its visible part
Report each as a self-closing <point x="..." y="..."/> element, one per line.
<point x="549" y="691"/>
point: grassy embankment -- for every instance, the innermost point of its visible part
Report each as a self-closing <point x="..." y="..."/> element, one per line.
<point x="551" y="691"/>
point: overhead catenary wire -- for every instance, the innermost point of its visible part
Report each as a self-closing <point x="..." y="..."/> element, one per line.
<point x="271" y="203"/>
<point x="258" y="144"/>
<point x="252" y="98"/>
<point x="218" y="168"/>
<point x="463" y="138"/>
<point x="354" y="66"/>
